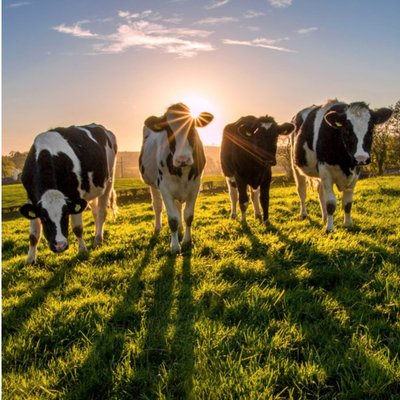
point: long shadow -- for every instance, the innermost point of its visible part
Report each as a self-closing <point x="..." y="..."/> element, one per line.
<point x="94" y="378"/>
<point x="180" y="385"/>
<point x="15" y="318"/>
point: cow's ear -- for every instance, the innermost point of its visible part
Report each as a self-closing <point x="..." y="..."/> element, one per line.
<point x="203" y="119"/>
<point x="156" y="124"/>
<point x="29" y="211"/>
<point x="77" y="206"/>
<point x="335" y="119"/>
<point x="286" y="129"/>
<point x="381" y="115"/>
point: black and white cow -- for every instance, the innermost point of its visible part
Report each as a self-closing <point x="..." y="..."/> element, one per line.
<point x="330" y="143"/>
<point x="65" y="169"/>
<point x="248" y="151"/>
<point x="171" y="161"/>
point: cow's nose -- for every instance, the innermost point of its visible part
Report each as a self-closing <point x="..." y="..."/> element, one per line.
<point x="183" y="161"/>
<point x="59" y="247"/>
<point x="362" y="159"/>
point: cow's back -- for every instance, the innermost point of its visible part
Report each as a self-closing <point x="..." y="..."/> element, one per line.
<point x="78" y="161"/>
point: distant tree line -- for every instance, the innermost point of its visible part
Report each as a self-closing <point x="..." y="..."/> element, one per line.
<point x="15" y="160"/>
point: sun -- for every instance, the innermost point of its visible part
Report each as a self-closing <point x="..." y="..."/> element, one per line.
<point x="198" y="104"/>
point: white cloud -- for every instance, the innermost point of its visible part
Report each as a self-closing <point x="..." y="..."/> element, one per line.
<point x="280" y="3"/>
<point x="253" y="14"/>
<point x="305" y="31"/>
<point x="74" y="30"/>
<point x="140" y="33"/>
<point x="260" y="42"/>
<point x="216" y="21"/>
<point x="216" y="4"/>
<point x="19" y="4"/>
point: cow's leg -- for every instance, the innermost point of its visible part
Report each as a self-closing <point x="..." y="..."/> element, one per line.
<point x="233" y="193"/>
<point x="347" y="201"/>
<point x="173" y="219"/>
<point x="264" y="197"/>
<point x="35" y="233"/>
<point x="322" y="201"/>
<point x="179" y="208"/>
<point x="301" y="185"/>
<point x="243" y="199"/>
<point x="77" y="228"/>
<point x="157" y="207"/>
<point x="330" y="198"/>
<point x="255" y="198"/>
<point x="101" y="213"/>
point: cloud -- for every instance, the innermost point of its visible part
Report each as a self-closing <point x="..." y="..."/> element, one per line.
<point x="74" y="30"/>
<point x="216" y="21"/>
<point x="280" y="3"/>
<point x="305" y="31"/>
<point x="260" y="42"/>
<point x="216" y="4"/>
<point x="137" y="32"/>
<point x="19" y="4"/>
<point x="252" y="14"/>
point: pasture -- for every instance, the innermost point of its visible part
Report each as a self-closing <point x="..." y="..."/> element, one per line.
<point x="248" y="312"/>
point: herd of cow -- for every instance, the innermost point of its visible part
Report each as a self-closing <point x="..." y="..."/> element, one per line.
<point x="67" y="168"/>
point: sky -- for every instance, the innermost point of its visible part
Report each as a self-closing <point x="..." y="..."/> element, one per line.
<point x="116" y="62"/>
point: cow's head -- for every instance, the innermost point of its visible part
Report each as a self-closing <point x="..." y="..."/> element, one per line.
<point x="181" y="129"/>
<point x="263" y="132"/>
<point x="53" y="210"/>
<point x="355" y="126"/>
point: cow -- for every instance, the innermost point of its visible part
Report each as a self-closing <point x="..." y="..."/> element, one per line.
<point x="171" y="162"/>
<point x="66" y="169"/>
<point x="330" y="143"/>
<point x="248" y="151"/>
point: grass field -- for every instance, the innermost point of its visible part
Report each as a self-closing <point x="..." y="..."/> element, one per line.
<point x="285" y="312"/>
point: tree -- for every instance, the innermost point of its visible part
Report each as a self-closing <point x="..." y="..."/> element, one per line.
<point x="7" y="167"/>
<point x="385" y="150"/>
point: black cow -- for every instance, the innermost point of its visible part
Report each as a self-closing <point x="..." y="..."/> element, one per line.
<point x="248" y="151"/>
<point x="330" y="143"/>
<point x="65" y="169"/>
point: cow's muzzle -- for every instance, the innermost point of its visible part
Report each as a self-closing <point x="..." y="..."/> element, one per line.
<point x="59" y="247"/>
<point x="182" y="161"/>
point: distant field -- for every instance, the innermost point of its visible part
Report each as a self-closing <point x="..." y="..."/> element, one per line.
<point x="285" y="312"/>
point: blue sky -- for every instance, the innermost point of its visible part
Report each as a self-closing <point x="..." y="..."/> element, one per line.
<point x="117" y="62"/>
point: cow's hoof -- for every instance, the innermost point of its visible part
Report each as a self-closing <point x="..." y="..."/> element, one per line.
<point x="156" y="231"/>
<point x="233" y="216"/>
<point x="187" y="245"/>
<point x="303" y="216"/>
<point x="175" y="249"/>
<point x="328" y="231"/>
<point x="267" y="223"/>
<point x="30" y="261"/>
<point x="258" y="217"/>
<point x="98" y="241"/>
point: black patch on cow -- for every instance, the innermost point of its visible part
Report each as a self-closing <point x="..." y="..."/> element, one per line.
<point x="347" y="207"/>
<point x="330" y="208"/>
<point x="304" y="133"/>
<point x="160" y="173"/>
<point x="78" y="231"/>
<point x="173" y="170"/>
<point x="33" y="240"/>
<point x="173" y="224"/>
<point x="162" y="164"/>
<point x="189" y="220"/>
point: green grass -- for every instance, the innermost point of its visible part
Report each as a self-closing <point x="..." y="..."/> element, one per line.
<point x="285" y="312"/>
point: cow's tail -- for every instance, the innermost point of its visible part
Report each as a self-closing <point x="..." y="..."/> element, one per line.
<point x="112" y="203"/>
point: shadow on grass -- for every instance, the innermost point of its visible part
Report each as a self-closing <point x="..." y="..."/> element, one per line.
<point x="94" y="378"/>
<point x="13" y="320"/>
<point x="323" y="296"/>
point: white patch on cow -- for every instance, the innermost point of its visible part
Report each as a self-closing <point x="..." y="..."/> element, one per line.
<point x="94" y="191"/>
<point x="53" y="202"/>
<point x="338" y="177"/>
<point x="359" y="118"/>
<point x="88" y="132"/>
<point x="266" y="125"/>
<point x="311" y="158"/>
<point x="54" y="143"/>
